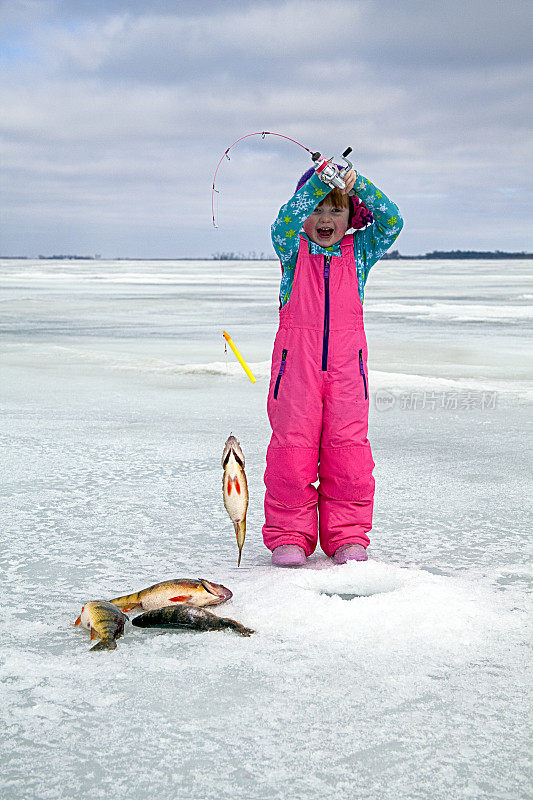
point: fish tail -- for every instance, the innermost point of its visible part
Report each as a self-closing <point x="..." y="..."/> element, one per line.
<point x="240" y="532"/>
<point x="242" y="631"/>
<point x="236" y="626"/>
<point x="128" y="601"/>
<point x="105" y="644"/>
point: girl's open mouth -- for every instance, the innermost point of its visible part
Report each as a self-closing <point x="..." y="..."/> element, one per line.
<point x="324" y="233"/>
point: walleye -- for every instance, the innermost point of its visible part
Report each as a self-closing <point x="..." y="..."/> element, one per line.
<point x="179" y="590"/>
<point x="235" y="488"/>
<point x="104" y="621"/>
<point x="187" y="617"/>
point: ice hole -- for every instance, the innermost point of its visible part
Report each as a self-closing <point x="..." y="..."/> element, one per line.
<point x="353" y="595"/>
<point x="365" y="580"/>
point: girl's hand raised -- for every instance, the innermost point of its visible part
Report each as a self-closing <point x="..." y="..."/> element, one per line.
<point x="349" y="180"/>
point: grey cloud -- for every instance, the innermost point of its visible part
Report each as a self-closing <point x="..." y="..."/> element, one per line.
<point x="117" y="120"/>
<point x="253" y="40"/>
<point x="448" y="34"/>
<point x="178" y="48"/>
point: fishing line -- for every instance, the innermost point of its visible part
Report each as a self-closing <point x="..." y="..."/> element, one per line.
<point x="227" y="378"/>
<point x="262" y="134"/>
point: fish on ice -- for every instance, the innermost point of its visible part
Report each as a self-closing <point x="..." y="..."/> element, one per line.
<point x="235" y="488"/>
<point x="187" y="617"/>
<point x="197" y="592"/>
<point x="104" y="621"/>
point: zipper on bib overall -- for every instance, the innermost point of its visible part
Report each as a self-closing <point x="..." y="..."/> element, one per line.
<point x="325" y="338"/>
<point x="280" y="373"/>
<point x="362" y="371"/>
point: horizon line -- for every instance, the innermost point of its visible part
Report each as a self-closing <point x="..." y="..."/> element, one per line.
<point x="239" y="256"/>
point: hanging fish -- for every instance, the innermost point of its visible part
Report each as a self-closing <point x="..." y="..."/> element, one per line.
<point x="235" y="489"/>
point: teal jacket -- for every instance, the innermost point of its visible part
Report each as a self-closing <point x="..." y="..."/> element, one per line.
<point x="370" y="243"/>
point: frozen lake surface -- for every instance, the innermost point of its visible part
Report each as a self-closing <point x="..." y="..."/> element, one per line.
<point x="404" y="677"/>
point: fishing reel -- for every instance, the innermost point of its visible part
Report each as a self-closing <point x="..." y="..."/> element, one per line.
<point x="328" y="172"/>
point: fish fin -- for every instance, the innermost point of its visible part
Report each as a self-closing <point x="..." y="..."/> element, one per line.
<point x="93" y="634"/>
<point x="105" y="644"/>
<point x="180" y="598"/>
<point x="238" y="531"/>
<point x="237" y="485"/>
<point x="78" y="621"/>
<point x="124" y="609"/>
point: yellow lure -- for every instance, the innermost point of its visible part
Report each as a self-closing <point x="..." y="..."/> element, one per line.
<point x="243" y="363"/>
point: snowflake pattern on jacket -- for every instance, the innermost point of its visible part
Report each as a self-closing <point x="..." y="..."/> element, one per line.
<point x="370" y="243"/>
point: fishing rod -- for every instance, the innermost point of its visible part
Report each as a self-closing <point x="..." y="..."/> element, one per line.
<point x="328" y="172"/>
<point x="324" y="167"/>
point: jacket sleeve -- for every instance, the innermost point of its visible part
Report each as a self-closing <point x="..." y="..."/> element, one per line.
<point x="373" y="241"/>
<point x="291" y="217"/>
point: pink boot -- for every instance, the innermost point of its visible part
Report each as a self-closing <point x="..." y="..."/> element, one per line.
<point x="350" y="552"/>
<point x="288" y="555"/>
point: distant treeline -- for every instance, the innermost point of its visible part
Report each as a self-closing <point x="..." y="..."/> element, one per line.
<point x="71" y="258"/>
<point x="253" y="256"/>
<point x="394" y="254"/>
<point x="461" y="254"/>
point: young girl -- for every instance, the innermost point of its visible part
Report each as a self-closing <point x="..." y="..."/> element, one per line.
<point x="318" y="396"/>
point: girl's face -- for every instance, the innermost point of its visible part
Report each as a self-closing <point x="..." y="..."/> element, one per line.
<point x="328" y="223"/>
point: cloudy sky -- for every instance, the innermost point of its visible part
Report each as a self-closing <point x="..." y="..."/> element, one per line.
<point x="115" y="114"/>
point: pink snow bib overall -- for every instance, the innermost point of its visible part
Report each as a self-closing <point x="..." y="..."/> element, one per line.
<point x="318" y="409"/>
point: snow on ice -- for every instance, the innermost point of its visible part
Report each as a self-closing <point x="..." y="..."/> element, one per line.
<point x="403" y="677"/>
